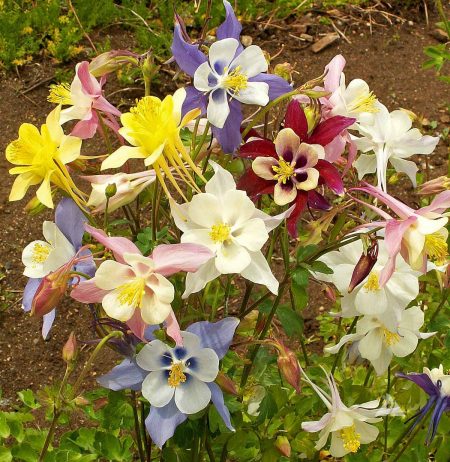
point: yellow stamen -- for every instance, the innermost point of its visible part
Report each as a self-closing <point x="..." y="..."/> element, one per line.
<point x="236" y="81"/>
<point x="372" y="284"/>
<point x="283" y="171"/>
<point x="60" y="94"/>
<point x="220" y="233"/>
<point x="390" y="338"/>
<point x="176" y="375"/>
<point x="131" y="293"/>
<point x="351" y="439"/>
<point x="40" y="253"/>
<point x="364" y="103"/>
<point x="436" y="247"/>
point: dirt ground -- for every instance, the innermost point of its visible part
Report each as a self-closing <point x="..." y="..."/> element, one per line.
<point x="389" y="59"/>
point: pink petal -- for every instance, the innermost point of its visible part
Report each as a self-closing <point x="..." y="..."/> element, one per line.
<point x="439" y="205"/>
<point x="88" y="292"/>
<point x="102" y="105"/>
<point x="334" y="70"/>
<point x="329" y="129"/>
<point x="89" y="83"/>
<point x="335" y="149"/>
<point x="87" y="127"/>
<point x="330" y="175"/>
<point x="171" y="258"/>
<point x="257" y="148"/>
<point x="300" y="205"/>
<point x="296" y="120"/>
<point x="137" y="325"/>
<point x="352" y="152"/>
<point x="118" y="245"/>
<point x="254" y="185"/>
<point x="173" y="328"/>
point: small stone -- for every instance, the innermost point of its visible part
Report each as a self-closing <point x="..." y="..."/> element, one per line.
<point x="439" y="35"/>
<point x="410" y="23"/>
<point x="324" y="42"/>
<point x="246" y="40"/>
<point x="307" y="37"/>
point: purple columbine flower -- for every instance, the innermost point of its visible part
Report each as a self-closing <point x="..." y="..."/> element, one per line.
<point x="437" y="385"/>
<point x="63" y="240"/>
<point x="177" y="381"/>
<point x="228" y="76"/>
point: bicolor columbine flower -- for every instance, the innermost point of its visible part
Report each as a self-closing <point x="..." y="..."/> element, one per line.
<point x="134" y="286"/>
<point x="369" y="297"/>
<point x="63" y="241"/>
<point x="437" y="385"/>
<point x="41" y="158"/>
<point x="152" y="127"/>
<point x="386" y="335"/>
<point x="227" y="222"/>
<point x="349" y="426"/>
<point x="392" y="140"/>
<point x="226" y="78"/>
<point x="128" y="187"/>
<point x="417" y="235"/>
<point x="177" y="381"/>
<point x="85" y="96"/>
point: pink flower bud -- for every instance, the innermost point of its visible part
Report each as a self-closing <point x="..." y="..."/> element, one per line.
<point x="226" y="384"/>
<point x="110" y="61"/>
<point x="440" y="184"/>
<point x="329" y="293"/>
<point x="364" y="265"/>
<point x="70" y="350"/>
<point x="288" y="364"/>
<point x="283" y="446"/>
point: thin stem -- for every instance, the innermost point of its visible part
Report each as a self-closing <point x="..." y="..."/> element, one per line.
<point x="227" y="295"/>
<point x="407" y="443"/>
<point x="339" y="354"/>
<point x="155" y="211"/>
<point x="248" y="290"/>
<point x="302" y="340"/>
<point x="209" y="450"/>
<point x="202" y="141"/>
<point x="137" y="428"/>
<point x="255" y="304"/>
<point x="105" y="218"/>
<point x="49" y="437"/>
<point x="386" y="418"/>
<point x="145" y="435"/>
<point x="368" y="374"/>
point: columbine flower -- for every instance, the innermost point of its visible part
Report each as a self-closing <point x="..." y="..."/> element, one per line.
<point x="42" y="158"/>
<point x="129" y="186"/>
<point x="152" y="127"/>
<point x="386" y="335"/>
<point x="63" y="240"/>
<point x="391" y="139"/>
<point x="85" y="96"/>
<point x="437" y="385"/>
<point x="369" y="297"/>
<point x="293" y="166"/>
<point x="180" y="380"/>
<point x="416" y="234"/>
<point x="229" y="76"/>
<point x="349" y="426"/>
<point x="135" y="286"/>
<point x="227" y="222"/>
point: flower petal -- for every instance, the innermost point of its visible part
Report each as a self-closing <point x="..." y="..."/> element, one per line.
<point x="257" y="148"/>
<point x="287" y="143"/>
<point x="259" y="272"/>
<point x="218" y="401"/>
<point x="255" y="93"/>
<point x="125" y="375"/>
<point x="187" y="55"/>
<point x="154" y="356"/>
<point x="204" y="365"/>
<point x="156" y="389"/>
<point x="251" y="62"/>
<point x="232" y="258"/>
<point x="192" y="396"/>
<point x="263" y="167"/>
<point x="285" y="193"/>
<point x="231" y="27"/>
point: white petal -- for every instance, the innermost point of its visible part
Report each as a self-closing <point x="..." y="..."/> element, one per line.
<point x="232" y="258"/>
<point x="365" y="164"/>
<point x="368" y="433"/>
<point x="111" y="274"/>
<point x="371" y="301"/>
<point x="251" y="61"/>
<point x="204" y="365"/>
<point x="191" y="343"/>
<point x="156" y="389"/>
<point x="202" y="77"/>
<point x="155" y="310"/>
<point x="154" y="356"/>
<point x="221" y="54"/>
<point x="198" y="280"/>
<point x="262" y="166"/>
<point x="405" y="166"/>
<point x="311" y="181"/>
<point x="192" y="396"/>
<point x="218" y="108"/>
<point x="221" y="182"/>
<point x="115" y="309"/>
<point x="259" y="272"/>
<point x="252" y="235"/>
<point x="406" y="345"/>
<point x="237" y="208"/>
<point x="31" y="256"/>
<point x="254" y="93"/>
<point x="205" y="210"/>
<point x="370" y="346"/>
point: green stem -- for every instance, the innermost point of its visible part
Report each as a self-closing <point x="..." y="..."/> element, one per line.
<point x="209" y="450"/>
<point x="49" y="438"/>
<point x="407" y="443"/>
<point x="444" y="19"/>
<point x="202" y="141"/>
<point x="79" y="273"/>
<point x="302" y="340"/>
<point x="368" y="374"/>
<point x="339" y="354"/>
<point x="105" y="218"/>
<point x="386" y="418"/>
<point x="145" y="435"/>
<point x="155" y="211"/>
<point x="227" y="295"/>
<point x="248" y="290"/>
<point x="137" y="427"/>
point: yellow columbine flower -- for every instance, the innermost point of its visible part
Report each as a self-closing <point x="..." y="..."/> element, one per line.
<point x="41" y="158"/>
<point x="152" y="127"/>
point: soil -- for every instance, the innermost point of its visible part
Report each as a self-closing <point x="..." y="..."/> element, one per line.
<point x="390" y="60"/>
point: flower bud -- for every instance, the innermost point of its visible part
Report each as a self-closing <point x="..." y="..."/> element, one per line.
<point x="226" y="384"/>
<point x="35" y="206"/>
<point x="313" y="115"/>
<point x="283" y="446"/>
<point x="435" y="186"/>
<point x="70" y="350"/>
<point x="111" y="61"/>
<point x="329" y="293"/>
<point x="364" y="265"/>
<point x="81" y="401"/>
<point x="288" y="365"/>
<point x="111" y="190"/>
<point x="149" y="68"/>
<point x="284" y="70"/>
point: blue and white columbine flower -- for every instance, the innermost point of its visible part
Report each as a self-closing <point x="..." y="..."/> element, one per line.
<point x="177" y="381"/>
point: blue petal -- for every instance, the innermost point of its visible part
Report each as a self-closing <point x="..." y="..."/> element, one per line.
<point x="162" y="422"/>
<point x="194" y="99"/>
<point x="29" y="292"/>
<point x="229" y="137"/>
<point x="422" y="380"/>
<point x="70" y="220"/>
<point x="187" y="55"/>
<point x="441" y="406"/>
<point x="231" y="27"/>
<point x="47" y="323"/>
<point x="217" y="335"/>
<point x="125" y="375"/>
<point x="86" y="266"/>
<point x="217" y="399"/>
<point x="277" y="85"/>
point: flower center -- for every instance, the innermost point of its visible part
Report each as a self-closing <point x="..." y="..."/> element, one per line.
<point x="283" y="171"/>
<point x="131" y="293"/>
<point x="40" y="253"/>
<point x="60" y="94"/>
<point x="350" y="438"/>
<point x="235" y="81"/>
<point x="220" y="233"/>
<point x="176" y="375"/>
<point x="436" y="247"/>
<point x="364" y="103"/>
<point x="390" y="338"/>
<point x="372" y="284"/>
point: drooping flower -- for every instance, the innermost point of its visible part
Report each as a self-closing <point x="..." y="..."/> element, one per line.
<point x="392" y="140"/>
<point x="417" y="235"/>
<point x="227" y="222"/>
<point x="152" y="127"/>
<point x="63" y="241"/>
<point x="382" y="336"/>
<point x="41" y="158"/>
<point x="128" y="187"/>
<point x="437" y="385"/>
<point x="369" y="297"/>
<point x="226" y="78"/>
<point x="85" y="96"/>
<point x="349" y="426"/>
<point x="132" y="287"/>
<point x="177" y="381"/>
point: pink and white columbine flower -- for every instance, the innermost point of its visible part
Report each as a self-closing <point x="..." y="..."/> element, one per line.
<point x="85" y="96"/>
<point x="134" y="288"/>
<point x="417" y="235"/>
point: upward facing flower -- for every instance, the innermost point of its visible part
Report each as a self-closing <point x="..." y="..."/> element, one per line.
<point x="41" y="158"/>
<point x="152" y="127"/>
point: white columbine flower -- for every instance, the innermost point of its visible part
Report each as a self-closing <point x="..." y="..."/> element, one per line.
<point x="226" y="75"/>
<point x="368" y="297"/>
<point x="43" y="257"/>
<point x="227" y="222"/>
<point x="181" y="373"/>
<point x="391" y="139"/>
<point x="383" y="336"/>
<point x="349" y="426"/>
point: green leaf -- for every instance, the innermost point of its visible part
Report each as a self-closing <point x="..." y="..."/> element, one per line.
<point x="303" y="253"/>
<point x="5" y="454"/>
<point x="299" y="295"/>
<point x="4" y="427"/>
<point x="27" y="398"/>
<point x="24" y="452"/>
<point x="300" y="276"/>
<point x="290" y="320"/>
<point x="321" y="267"/>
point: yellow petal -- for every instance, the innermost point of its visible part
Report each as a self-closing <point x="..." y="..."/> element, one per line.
<point x="23" y="150"/>
<point x="119" y="157"/>
<point x="44" y="192"/>
<point x="54" y="126"/>
<point x="191" y="115"/>
<point x="21" y="185"/>
<point x="69" y="149"/>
